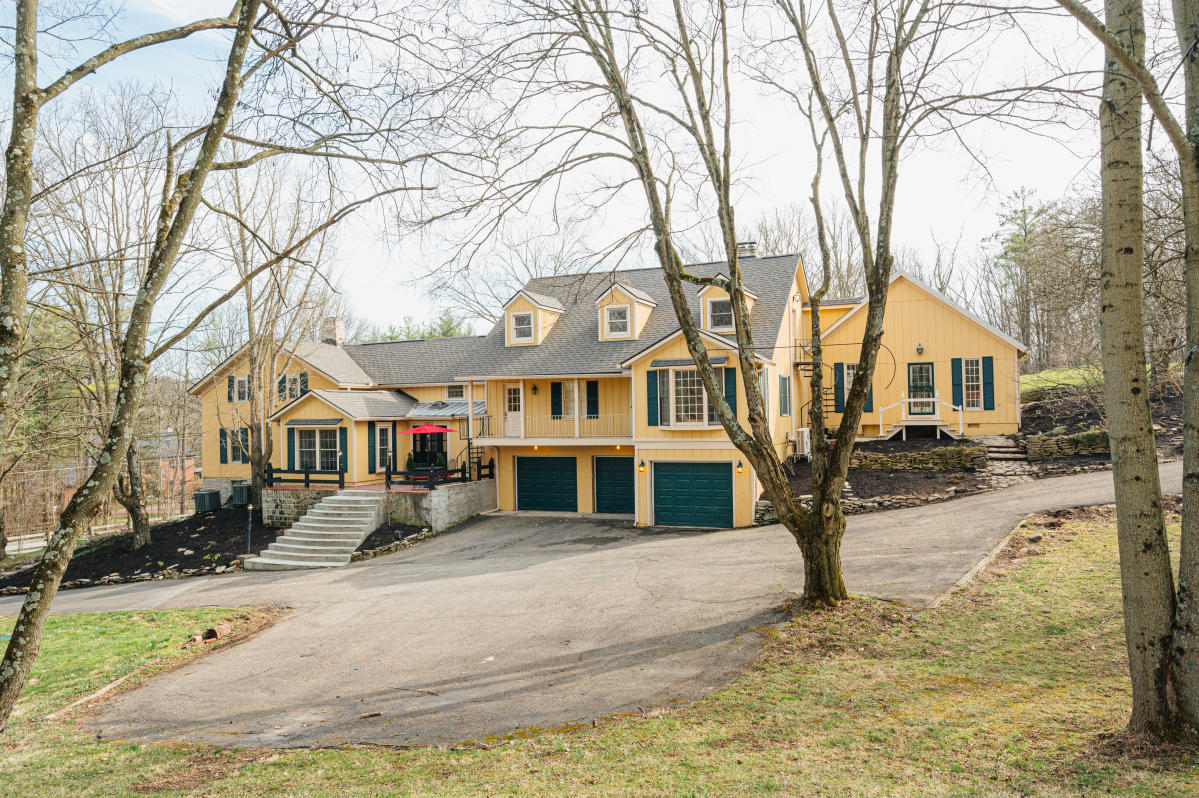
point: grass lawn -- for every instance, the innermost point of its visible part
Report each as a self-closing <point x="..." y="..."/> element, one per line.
<point x="1014" y="686"/>
<point x="1056" y="378"/>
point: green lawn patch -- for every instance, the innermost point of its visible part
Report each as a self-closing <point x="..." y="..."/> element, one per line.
<point x="1016" y="685"/>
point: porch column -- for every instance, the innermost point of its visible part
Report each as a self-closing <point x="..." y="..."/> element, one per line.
<point x="576" y="407"/>
<point x="470" y="414"/>
<point x="524" y="406"/>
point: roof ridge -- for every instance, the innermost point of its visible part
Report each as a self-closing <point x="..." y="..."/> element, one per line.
<point x="415" y="340"/>
<point x="616" y="272"/>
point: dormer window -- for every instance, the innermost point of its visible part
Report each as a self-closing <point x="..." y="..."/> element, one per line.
<point x="720" y="314"/>
<point x="522" y="327"/>
<point x="616" y="321"/>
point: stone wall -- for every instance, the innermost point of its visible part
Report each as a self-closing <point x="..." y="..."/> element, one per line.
<point x="764" y="511"/>
<point x="967" y="457"/>
<point x="282" y="507"/>
<point x="223" y="484"/>
<point x="444" y="506"/>
<point x="1052" y="447"/>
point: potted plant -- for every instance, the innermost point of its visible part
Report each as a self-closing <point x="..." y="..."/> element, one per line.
<point x="441" y="459"/>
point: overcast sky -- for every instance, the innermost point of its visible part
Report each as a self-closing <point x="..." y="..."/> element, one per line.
<point x="943" y="194"/>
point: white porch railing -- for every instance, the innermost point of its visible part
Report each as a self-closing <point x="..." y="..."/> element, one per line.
<point x="606" y="425"/>
<point x="921" y="403"/>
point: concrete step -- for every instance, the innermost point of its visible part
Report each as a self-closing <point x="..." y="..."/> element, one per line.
<point x="321" y="524"/>
<point x="300" y="554"/>
<point x="1008" y="456"/>
<point x="268" y="563"/>
<point x="317" y="544"/>
<point x="353" y="538"/>
<point x="306" y="551"/>
<point x="340" y="515"/>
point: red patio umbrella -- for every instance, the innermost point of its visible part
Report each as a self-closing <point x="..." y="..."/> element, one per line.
<point x="423" y="428"/>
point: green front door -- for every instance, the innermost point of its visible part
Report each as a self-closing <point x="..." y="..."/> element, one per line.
<point x="693" y="494"/>
<point x="547" y="483"/>
<point x="614" y="485"/>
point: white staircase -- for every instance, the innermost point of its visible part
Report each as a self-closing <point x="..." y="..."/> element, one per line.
<point x="327" y="535"/>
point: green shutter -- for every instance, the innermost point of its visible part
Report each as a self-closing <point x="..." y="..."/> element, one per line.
<point x="955" y="370"/>
<point x="291" y="448"/>
<point x="281" y="386"/>
<point x="592" y="398"/>
<point x="988" y="383"/>
<point x="224" y="445"/>
<point x="869" y="408"/>
<point x="245" y="445"/>
<point x="342" y="445"/>
<point x="730" y="388"/>
<point x="230" y="386"/>
<point x="303" y="382"/>
<point x="839" y="387"/>
<point x="370" y="447"/>
<point x="556" y="399"/>
<point x="651" y="398"/>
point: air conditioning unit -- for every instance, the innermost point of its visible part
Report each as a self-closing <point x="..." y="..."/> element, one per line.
<point x="241" y="494"/>
<point x="207" y="501"/>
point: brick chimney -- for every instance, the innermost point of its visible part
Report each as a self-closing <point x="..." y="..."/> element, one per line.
<point x="747" y="249"/>
<point x="333" y="331"/>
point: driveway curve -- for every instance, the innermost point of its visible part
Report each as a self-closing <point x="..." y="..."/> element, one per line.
<point x="512" y="623"/>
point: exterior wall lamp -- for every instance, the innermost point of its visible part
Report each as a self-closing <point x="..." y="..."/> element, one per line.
<point x="534" y="389"/>
<point x="740" y="468"/>
<point x="641" y="467"/>
<point x="919" y="351"/>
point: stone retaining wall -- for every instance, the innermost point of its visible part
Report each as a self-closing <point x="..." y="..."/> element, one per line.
<point x="1052" y="447"/>
<point x="764" y="511"/>
<point x="444" y="506"/>
<point x="282" y="507"/>
<point x="967" y="457"/>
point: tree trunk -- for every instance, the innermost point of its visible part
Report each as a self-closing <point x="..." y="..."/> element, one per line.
<point x="14" y="217"/>
<point x="1146" y="580"/>
<point x="3" y="536"/>
<point x="131" y="493"/>
<point x="177" y="213"/>
<point x="821" y="548"/>
<point x="1186" y="629"/>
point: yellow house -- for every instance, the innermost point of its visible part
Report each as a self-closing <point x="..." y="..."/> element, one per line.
<point x="941" y="370"/>
<point x="585" y="397"/>
<point x="340" y="411"/>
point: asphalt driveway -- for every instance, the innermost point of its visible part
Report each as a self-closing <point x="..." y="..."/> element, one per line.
<point x="512" y="622"/>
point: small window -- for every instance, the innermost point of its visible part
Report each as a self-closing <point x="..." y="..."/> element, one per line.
<point x="617" y="321"/>
<point x="522" y="326"/>
<point x="972" y="383"/>
<point x="455" y="392"/>
<point x="307" y="449"/>
<point x="383" y="447"/>
<point x="328" y="449"/>
<point x="720" y="314"/>
<point x="784" y="396"/>
<point x="243" y="388"/>
<point x="237" y="453"/>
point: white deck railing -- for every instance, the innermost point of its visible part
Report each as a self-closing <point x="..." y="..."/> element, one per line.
<point x="935" y="404"/>
<point x="605" y="425"/>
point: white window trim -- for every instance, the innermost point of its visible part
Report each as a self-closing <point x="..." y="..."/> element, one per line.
<point x="687" y="425"/>
<point x="708" y="307"/>
<point x="981" y="400"/>
<point x="512" y="336"/>
<point x="449" y="388"/>
<point x="316" y="434"/>
<point x="608" y="335"/>
<point x="785" y="392"/>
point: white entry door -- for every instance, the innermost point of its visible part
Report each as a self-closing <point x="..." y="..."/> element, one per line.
<point x="513" y="419"/>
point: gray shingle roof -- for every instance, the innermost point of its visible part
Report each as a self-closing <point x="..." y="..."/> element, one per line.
<point x="369" y="404"/>
<point x="545" y="300"/>
<point x="333" y="360"/>
<point x="572" y="346"/>
<point x="416" y="362"/>
<point x="636" y="293"/>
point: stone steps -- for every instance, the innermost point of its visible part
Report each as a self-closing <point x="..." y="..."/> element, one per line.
<point x="326" y="536"/>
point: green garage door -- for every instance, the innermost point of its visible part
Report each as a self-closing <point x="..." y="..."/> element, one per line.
<point x="547" y="483"/>
<point x="614" y="485"/>
<point x="693" y="494"/>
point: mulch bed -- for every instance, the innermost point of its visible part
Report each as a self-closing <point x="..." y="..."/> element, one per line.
<point x="198" y="544"/>
<point x="910" y="445"/>
<point x="868" y="484"/>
